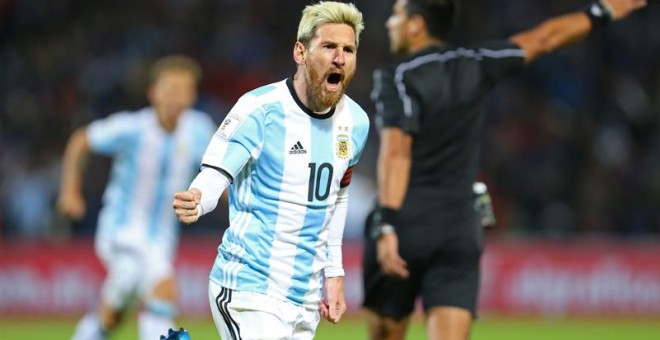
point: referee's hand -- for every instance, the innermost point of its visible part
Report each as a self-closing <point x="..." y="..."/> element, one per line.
<point x="622" y="8"/>
<point x="388" y="256"/>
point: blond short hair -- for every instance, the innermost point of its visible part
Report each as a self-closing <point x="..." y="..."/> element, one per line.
<point x="329" y="12"/>
<point x="175" y="63"/>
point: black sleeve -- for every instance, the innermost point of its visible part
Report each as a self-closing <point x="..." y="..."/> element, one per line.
<point x="394" y="106"/>
<point x="500" y="59"/>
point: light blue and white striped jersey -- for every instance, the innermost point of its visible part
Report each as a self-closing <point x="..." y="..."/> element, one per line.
<point x="148" y="166"/>
<point x="288" y="165"/>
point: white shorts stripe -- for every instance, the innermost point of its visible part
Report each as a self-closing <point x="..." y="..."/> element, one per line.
<point x="253" y="316"/>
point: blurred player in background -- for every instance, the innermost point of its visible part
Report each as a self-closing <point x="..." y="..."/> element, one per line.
<point x="426" y="237"/>
<point x="154" y="150"/>
<point x="288" y="150"/>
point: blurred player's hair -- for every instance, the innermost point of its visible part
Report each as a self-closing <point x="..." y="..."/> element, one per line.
<point x="175" y="63"/>
<point x="329" y="12"/>
<point x="437" y="14"/>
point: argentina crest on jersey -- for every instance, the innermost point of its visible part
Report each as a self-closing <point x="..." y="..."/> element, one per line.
<point x="343" y="143"/>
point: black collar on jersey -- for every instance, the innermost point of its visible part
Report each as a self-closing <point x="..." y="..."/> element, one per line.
<point x="289" y="84"/>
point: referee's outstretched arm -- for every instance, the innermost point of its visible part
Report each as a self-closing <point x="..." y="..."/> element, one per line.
<point x="566" y="29"/>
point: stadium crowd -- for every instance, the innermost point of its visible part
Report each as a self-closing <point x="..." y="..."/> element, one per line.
<point x="572" y="145"/>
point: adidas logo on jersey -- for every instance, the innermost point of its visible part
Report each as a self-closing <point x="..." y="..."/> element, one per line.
<point x="297" y="149"/>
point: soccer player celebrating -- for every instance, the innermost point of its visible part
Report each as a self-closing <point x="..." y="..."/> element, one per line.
<point x="430" y="115"/>
<point x="155" y="151"/>
<point x="286" y="152"/>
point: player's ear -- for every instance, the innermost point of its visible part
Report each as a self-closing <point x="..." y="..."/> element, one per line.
<point x="299" y="53"/>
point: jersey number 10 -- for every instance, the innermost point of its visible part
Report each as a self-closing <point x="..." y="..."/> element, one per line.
<point x="316" y="189"/>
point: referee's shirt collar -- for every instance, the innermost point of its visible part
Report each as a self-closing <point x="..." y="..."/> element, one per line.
<point x="428" y="50"/>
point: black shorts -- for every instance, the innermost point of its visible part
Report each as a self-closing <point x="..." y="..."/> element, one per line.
<point x="442" y="245"/>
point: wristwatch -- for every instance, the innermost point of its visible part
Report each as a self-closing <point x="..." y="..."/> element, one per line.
<point x="378" y="230"/>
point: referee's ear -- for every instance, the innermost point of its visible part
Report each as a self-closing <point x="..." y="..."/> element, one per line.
<point x="416" y="25"/>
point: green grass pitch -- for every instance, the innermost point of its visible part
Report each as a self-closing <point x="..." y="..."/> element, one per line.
<point x="353" y="327"/>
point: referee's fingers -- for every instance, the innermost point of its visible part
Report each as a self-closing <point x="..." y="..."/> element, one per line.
<point x="396" y="267"/>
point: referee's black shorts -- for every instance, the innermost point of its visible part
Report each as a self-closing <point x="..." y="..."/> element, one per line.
<point x="442" y="243"/>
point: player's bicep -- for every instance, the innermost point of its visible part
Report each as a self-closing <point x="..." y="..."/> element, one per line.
<point x="238" y="137"/>
<point x="106" y="136"/>
<point x="225" y="154"/>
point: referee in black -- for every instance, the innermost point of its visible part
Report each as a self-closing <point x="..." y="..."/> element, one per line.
<point x="425" y="238"/>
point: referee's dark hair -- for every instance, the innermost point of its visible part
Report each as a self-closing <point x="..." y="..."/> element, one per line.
<point x="438" y="15"/>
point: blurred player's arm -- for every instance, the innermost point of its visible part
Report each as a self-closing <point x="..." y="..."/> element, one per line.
<point x="202" y="196"/>
<point x="570" y="28"/>
<point x="71" y="201"/>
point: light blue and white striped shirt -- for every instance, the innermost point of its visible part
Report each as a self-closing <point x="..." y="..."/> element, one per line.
<point x="289" y="166"/>
<point x="148" y="166"/>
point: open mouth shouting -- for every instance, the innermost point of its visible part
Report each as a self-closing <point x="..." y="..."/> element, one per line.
<point x="333" y="81"/>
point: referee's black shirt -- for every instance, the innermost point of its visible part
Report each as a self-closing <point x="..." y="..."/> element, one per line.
<point x="437" y="96"/>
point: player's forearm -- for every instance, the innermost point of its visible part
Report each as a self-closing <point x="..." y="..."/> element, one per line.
<point x="211" y="183"/>
<point x="335" y="266"/>
<point x="74" y="161"/>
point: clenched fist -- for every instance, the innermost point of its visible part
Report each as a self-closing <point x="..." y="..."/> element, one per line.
<point x="186" y="205"/>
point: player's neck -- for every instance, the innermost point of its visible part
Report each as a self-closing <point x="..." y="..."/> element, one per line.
<point x="168" y="125"/>
<point x="300" y="87"/>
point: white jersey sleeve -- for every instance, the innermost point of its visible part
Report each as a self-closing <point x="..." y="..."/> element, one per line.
<point x="238" y="138"/>
<point x="106" y="136"/>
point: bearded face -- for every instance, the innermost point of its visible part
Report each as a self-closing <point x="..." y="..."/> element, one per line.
<point x="317" y="93"/>
<point x="329" y="65"/>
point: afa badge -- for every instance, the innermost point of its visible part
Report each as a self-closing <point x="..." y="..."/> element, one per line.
<point x="343" y="146"/>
